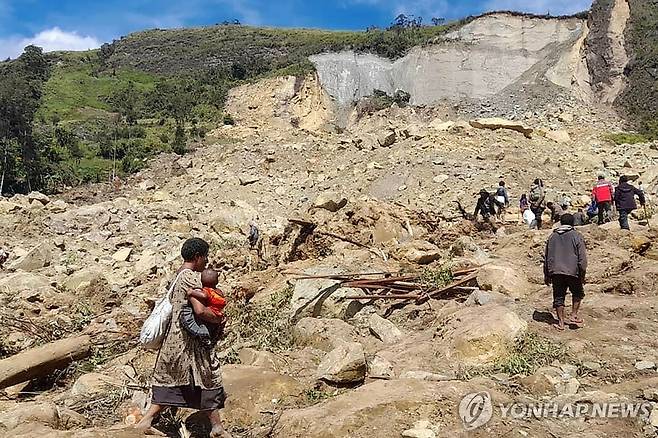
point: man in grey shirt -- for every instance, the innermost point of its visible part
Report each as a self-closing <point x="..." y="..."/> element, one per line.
<point x="565" y="267"/>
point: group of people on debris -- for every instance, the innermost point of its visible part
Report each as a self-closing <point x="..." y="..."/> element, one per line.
<point x="565" y="255"/>
<point x="533" y="204"/>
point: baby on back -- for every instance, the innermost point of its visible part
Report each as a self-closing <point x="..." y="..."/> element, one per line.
<point x="212" y="298"/>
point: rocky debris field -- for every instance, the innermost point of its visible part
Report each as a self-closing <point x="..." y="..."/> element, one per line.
<point x="302" y="358"/>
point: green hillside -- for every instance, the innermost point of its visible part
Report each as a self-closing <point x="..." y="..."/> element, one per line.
<point x="640" y="99"/>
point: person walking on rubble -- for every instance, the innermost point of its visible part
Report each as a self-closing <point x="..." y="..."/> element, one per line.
<point x="625" y="201"/>
<point x="537" y="197"/>
<point x="486" y="206"/>
<point x="502" y="196"/>
<point x="565" y="267"/>
<point x="187" y="373"/>
<point x="603" y="193"/>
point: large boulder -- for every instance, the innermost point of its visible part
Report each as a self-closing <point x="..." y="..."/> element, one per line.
<point x="323" y="334"/>
<point x="388" y="229"/>
<point x="86" y="282"/>
<point x="321" y="296"/>
<point x="93" y="384"/>
<point x="505" y="280"/>
<point x="24" y="281"/>
<point x="260" y="359"/>
<point x="42" y="413"/>
<point x="38" y="257"/>
<point x="495" y="123"/>
<point x="232" y="219"/>
<point x="479" y="335"/>
<point x="38" y="197"/>
<point x="252" y="390"/>
<point x="383" y="408"/>
<point x="344" y="364"/>
<point x="420" y="252"/>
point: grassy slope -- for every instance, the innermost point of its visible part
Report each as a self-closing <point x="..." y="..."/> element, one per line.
<point x="73" y="92"/>
<point x="640" y="99"/>
<point x="263" y="49"/>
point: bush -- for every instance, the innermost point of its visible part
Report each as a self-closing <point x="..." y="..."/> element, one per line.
<point x="627" y="138"/>
<point x="179" y="144"/>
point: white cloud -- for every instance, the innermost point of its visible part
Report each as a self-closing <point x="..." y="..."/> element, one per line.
<point x="555" y="7"/>
<point x="50" y="40"/>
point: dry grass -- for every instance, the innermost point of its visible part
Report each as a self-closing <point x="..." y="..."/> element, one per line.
<point x="263" y="326"/>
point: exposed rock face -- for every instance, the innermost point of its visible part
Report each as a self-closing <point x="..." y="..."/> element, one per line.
<point x="476" y="61"/>
<point x="606" y="52"/>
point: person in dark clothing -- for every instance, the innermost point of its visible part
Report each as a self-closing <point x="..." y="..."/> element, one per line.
<point x="556" y="211"/>
<point x="565" y="267"/>
<point x="625" y="201"/>
<point x="537" y="197"/>
<point x="580" y="218"/>
<point x="486" y="205"/>
<point x="592" y="210"/>
<point x="503" y="197"/>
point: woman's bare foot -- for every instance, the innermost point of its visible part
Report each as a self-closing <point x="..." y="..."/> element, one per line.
<point x="144" y="424"/>
<point x="576" y="320"/>
<point x="558" y="326"/>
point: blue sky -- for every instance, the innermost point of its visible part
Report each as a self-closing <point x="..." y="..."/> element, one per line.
<point x="82" y="24"/>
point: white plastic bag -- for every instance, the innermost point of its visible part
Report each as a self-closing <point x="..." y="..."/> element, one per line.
<point x="528" y="217"/>
<point x="155" y="326"/>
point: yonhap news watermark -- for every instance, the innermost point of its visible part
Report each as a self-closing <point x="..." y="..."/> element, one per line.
<point x="477" y="409"/>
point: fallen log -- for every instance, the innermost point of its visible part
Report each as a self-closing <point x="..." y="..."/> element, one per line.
<point x="43" y="360"/>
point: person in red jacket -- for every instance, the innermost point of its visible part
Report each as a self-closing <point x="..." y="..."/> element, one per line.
<point x="603" y="193"/>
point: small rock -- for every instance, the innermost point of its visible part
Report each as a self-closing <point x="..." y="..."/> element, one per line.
<point x="147" y="185"/>
<point x="559" y="136"/>
<point x="122" y="255"/>
<point x="58" y="206"/>
<point x="565" y="117"/>
<point x="93" y="383"/>
<point x="245" y="180"/>
<point x="424" y="375"/>
<point x="387" y="139"/>
<point x="419" y="433"/>
<point x="592" y="366"/>
<point x="479" y="297"/>
<point x="384" y="329"/>
<point x="645" y="365"/>
<point x="440" y="179"/>
<point x="568" y="387"/>
<point x="330" y="201"/>
<point x="651" y="394"/>
<point x="380" y="367"/>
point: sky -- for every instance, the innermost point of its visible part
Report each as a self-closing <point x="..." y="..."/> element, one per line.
<point x="86" y="24"/>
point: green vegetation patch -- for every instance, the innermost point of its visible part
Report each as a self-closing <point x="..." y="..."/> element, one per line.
<point x="74" y="88"/>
